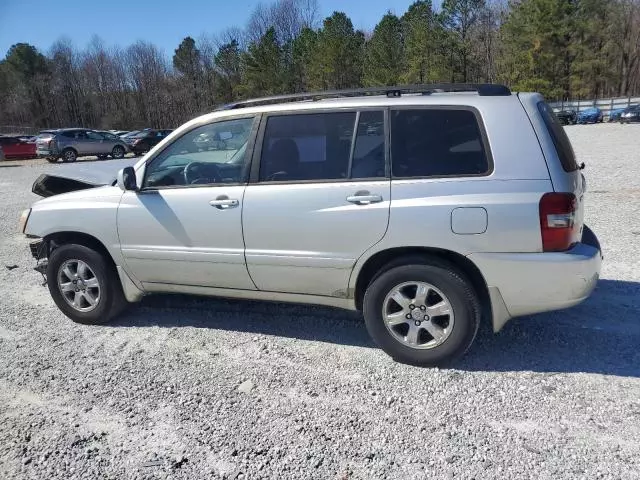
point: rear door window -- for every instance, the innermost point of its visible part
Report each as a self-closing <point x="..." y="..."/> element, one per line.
<point x="437" y="143"/>
<point x="559" y="137"/>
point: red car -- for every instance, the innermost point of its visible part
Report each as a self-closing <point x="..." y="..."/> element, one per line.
<point x="16" y="148"/>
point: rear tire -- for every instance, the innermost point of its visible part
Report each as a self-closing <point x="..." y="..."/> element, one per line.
<point x="69" y="155"/>
<point x="441" y="337"/>
<point x="84" y="285"/>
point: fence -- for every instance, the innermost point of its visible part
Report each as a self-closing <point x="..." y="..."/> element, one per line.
<point x="604" y="104"/>
<point x="18" y="130"/>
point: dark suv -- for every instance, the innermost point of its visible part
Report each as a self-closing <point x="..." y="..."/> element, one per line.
<point x="146" y="140"/>
<point x="567" y="117"/>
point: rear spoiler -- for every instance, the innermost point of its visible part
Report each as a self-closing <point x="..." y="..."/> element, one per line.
<point x="48" y="185"/>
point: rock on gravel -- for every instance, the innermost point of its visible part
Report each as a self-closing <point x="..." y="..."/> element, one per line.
<point x="156" y="394"/>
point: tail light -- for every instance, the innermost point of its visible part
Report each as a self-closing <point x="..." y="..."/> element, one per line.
<point x="557" y="221"/>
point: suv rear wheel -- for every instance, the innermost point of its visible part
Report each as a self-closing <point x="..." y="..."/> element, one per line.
<point x="84" y="285"/>
<point x="426" y="314"/>
<point x="69" y="155"/>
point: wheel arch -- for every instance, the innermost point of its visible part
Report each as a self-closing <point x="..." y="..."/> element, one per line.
<point x="54" y="240"/>
<point x="386" y="259"/>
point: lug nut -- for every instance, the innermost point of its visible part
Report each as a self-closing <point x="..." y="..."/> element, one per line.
<point x="423" y="308"/>
<point x="412" y="306"/>
<point x="408" y="315"/>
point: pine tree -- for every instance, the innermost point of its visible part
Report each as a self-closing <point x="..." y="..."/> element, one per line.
<point x="339" y="55"/>
<point x="263" y="67"/>
<point x="385" y="53"/>
<point x="423" y="35"/>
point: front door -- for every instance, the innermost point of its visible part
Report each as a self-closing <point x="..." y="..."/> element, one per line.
<point x="184" y="226"/>
<point x="320" y="200"/>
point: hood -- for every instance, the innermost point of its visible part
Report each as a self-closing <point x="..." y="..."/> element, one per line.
<point x="79" y="176"/>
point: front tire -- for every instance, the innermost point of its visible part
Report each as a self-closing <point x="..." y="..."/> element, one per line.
<point x="117" y="152"/>
<point x="422" y="314"/>
<point x="84" y="285"/>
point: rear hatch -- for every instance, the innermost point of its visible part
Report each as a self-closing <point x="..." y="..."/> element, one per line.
<point x="564" y="171"/>
<point x="44" y="141"/>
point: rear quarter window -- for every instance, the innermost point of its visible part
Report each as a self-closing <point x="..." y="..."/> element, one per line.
<point x="559" y="137"/>
<point x="438" y="142"/>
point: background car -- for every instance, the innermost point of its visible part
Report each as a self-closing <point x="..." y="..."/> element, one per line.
<point x="630" y="114"/>
<point x="146" y="140"/>
<point x="614" y="115"/>
<point x="590" y="115"/>
<point x="14" y="147"/>
<point x="1" y="154"/>
<point x="567" y="117"/>
<point x="71" y="143"/>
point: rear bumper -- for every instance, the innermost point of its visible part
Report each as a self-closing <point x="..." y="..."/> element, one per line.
<point x="530" y="283"/>
<point x="43" y="153"/>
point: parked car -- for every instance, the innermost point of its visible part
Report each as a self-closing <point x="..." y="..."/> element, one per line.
<point x="466" y="208"/>
<point x="567" y="117"/>
<point x="28" y="138"/>
<point x="630" y="114"/>
<point x="614" y="115"/>
<point x="132" y="133"/>
<point x="71" y="143"/>
<point x="1" y="154"/>
<point x="590" y="115"/>
<point x="144" y="141"/>
<point x="14" y="147"/>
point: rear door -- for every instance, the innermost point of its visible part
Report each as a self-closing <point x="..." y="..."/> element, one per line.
<point x="318" y="199"/>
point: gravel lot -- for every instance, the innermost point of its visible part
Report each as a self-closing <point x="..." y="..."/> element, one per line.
<point x="198" y="388"/>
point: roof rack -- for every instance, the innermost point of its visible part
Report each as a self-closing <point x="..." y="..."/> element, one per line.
<point x="483" y="89"/>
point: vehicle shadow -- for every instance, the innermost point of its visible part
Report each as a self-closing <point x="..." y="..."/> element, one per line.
<point x="599" y="336"/>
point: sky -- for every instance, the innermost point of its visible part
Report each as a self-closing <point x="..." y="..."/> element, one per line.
<point x="162" y="22"/>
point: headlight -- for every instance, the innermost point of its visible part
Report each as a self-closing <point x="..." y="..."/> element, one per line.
<point x="24" y="218"/>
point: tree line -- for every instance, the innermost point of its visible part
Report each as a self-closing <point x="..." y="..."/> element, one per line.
<point x="565" y="49"/>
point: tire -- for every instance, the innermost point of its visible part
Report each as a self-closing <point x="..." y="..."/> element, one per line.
<point x="117" y="152"/>
<point x="69" y="155"/>
<point x="108" y="297"/>
<point x="457" y="329"/>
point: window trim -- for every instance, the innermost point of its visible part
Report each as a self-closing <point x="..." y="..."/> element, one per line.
<point x="484" y="138"/>
<point x="254" y="178"/>
<point x="257" y="120"/>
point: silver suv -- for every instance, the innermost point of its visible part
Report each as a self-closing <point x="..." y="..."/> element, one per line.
<point x="430" y="209"/>
<point x="71" y="143"/>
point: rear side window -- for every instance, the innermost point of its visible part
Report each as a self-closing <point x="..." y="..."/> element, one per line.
<point x="307" y="147"/>
<point x="560" y="140"/>
<point x="436" y="143"/>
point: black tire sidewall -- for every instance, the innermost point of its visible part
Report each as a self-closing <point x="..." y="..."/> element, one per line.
<point x="461" y="296"/>
<point x="117" y="148"/>
<point x="103" y="312"/>
<point x="64" y="158"/>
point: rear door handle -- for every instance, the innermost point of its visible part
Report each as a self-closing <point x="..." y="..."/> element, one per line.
<point x="364" y="198"/>
<point x="223" y="202"/>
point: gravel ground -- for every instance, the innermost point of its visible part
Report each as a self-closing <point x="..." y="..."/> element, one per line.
<point x="198" y="388"/>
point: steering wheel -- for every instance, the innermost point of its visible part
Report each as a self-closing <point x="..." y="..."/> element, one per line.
<point x="200" y="173"/>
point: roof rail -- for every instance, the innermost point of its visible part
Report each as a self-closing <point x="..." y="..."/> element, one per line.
<point x="483" y="89"/>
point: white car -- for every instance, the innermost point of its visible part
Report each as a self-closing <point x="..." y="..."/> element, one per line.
<point x="466" y="206"/>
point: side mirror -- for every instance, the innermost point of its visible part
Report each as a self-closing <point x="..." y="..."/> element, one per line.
<point x="127" y="179"/>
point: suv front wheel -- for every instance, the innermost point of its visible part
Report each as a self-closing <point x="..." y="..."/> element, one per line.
<point x="83" y="285"/>
<point x="422" y="314"/>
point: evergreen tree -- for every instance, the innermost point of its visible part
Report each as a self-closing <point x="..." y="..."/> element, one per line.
<point x="339" y="55"/>
<point x="423" y="35"/>
<point x="228" y="63"/>
<point x="385" y="53"/>
<point x="263" y="67"/>
<point x="459" y="17"/>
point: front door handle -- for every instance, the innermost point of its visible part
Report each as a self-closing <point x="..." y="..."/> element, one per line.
<point x="223" y="202"/>
<point x="364" y="198"/>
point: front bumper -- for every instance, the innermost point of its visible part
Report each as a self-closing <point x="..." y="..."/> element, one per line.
<point x="539" y="282"/>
